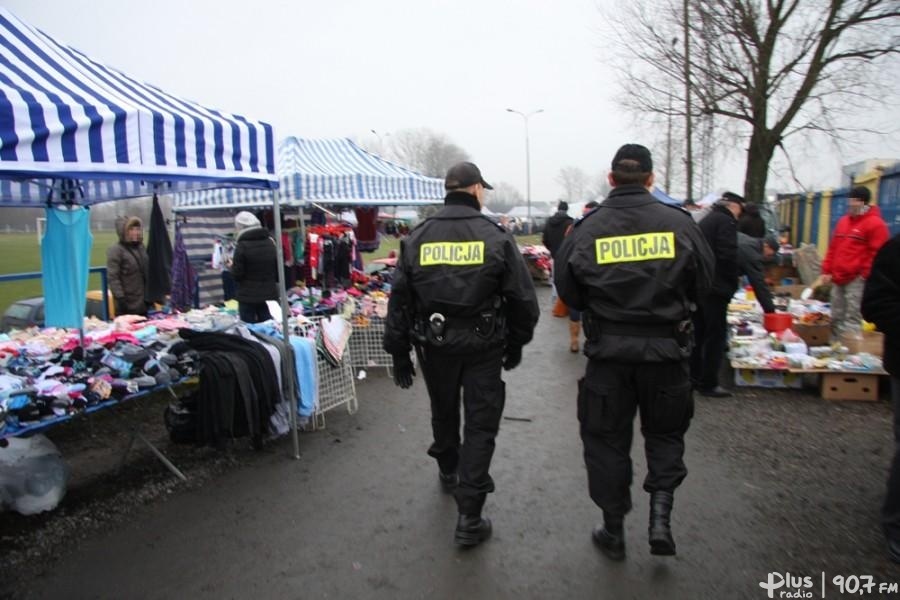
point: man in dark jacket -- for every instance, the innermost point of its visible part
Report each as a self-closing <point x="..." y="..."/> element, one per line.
<point x="127" y="266"/>
<point x="254" y="268"/>
<point x="881" y="305"/>
<point x="719" y="227"/>
<point x="463" y="296"/>
<point x="752" y="252"/>
<point x="634" y="267"/>
<point x="556" y="227"/>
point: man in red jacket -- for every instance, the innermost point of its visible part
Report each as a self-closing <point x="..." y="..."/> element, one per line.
<point x="857" y="238"/>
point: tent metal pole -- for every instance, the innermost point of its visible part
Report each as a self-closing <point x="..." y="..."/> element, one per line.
<point x="285" y="310"/>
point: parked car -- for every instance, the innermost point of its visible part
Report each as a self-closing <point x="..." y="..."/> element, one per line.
<point x="23" y="314"/>
<point x="30" y="311"/>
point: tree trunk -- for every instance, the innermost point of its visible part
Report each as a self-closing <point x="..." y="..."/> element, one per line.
<point x="759" y="155"/>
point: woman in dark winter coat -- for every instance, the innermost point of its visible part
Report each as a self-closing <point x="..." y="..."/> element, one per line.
<point x="126" y="266"/>
<point x="254" y="268"/>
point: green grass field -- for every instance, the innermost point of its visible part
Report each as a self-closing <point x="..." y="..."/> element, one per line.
<point x="21" y="253"/>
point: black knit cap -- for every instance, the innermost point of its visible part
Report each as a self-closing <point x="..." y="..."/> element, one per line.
<point x="861" y="192"/>
<point x="464" y="174"/>
<point x="633" y="158"/>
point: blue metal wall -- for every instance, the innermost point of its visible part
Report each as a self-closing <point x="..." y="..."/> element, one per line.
<point x="889" y="198"/>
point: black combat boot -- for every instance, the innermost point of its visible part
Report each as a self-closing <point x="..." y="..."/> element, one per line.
<point x="661" y="541"/>
<point x="611" y="537"/>
<point x="471" y="530"/>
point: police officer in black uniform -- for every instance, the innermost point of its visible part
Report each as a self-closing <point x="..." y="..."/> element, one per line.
<point x="636" y="267"/>
<point x="463" y="296"/>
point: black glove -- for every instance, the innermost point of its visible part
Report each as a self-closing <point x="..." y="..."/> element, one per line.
<point x="512" y="357"/>
<point x="403" y="370"/>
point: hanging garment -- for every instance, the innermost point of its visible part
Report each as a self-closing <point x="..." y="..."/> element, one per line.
<point x="183" y="275"/>
<point x="366" y="230"/>
<point x="159" y="250"/>
<point x="65" y="261"/>
<point x="307" y="374"/>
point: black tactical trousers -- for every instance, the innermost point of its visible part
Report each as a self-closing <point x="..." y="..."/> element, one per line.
<point x="483" y="397"/>
<point x="711" y="341"/>
<point x="608" y="397"/>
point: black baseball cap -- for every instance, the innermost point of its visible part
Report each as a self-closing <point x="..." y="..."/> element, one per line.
<point x="464" y="174"/>
<point x="633" y="158"/>
<point x="732" y="197"/>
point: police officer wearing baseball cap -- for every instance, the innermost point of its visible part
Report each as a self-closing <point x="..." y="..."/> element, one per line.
<point x="463" y="297"/>
<point x="636" y="268"/>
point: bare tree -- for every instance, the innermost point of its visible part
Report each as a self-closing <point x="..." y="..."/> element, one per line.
<point x="424" y="150"/>
<point x="766" y="70"/>
<point x="575" y="183"/>
<point x="503" y="197"/>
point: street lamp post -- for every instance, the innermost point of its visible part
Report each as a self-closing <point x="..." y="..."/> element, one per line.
<point x="380" y="140"/>
<point x="525" y="118"/>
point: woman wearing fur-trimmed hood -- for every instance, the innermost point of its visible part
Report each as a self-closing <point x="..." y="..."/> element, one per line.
<point x="127" y="266"/>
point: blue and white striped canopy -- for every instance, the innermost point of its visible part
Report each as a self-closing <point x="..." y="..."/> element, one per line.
<point x="330" y="171"/>
<point x="92" y="134"/>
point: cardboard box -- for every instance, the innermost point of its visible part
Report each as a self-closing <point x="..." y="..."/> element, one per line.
<point x="793" y="291"/>
<point x="776" y="273"/>
<point x="813" y="335"/>
<point x="871" y="342"/>
<point x="850" y="386"/>
<point x="769" y="378"/>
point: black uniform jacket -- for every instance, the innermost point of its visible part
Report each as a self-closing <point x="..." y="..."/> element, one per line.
<point x="635" y="262"/>
<point x="459" y="264"/>
<point x="720" y="228"/>
<point x="881" y="301"/>
<point x="750" y="263"/>
<point x="255" y="266"/>
<point x="555" y="231"/>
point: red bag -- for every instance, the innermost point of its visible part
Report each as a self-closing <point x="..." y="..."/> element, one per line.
<point x="560" y="309"/>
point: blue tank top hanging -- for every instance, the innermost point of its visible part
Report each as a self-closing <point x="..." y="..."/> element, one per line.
<point x="65" y="260"/>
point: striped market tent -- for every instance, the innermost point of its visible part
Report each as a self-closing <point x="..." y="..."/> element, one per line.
<point x="72" y="129"/>
<point x="326" y="171"/>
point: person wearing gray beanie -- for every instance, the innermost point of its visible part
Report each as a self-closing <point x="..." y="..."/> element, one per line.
<point x="254" y="268"/>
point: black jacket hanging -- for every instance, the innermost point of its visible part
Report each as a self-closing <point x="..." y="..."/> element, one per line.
<point x="159" y="249"/>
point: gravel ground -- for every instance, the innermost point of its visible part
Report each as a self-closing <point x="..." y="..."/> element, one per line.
<point x="815" y="468"/>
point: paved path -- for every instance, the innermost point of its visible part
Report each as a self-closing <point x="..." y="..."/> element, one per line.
<point x="361" y="515"/>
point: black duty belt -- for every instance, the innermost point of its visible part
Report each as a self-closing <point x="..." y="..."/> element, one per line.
<point x="638" y="329"/>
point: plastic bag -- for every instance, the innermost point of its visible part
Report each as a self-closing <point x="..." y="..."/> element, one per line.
<point x="33" y="476"/>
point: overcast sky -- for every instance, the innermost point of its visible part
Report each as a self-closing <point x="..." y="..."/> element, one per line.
<point x="341" y="68"/>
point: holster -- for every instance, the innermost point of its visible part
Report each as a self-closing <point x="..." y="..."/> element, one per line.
<point x="590" y="325"/>
<point x="684" y="333"/>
